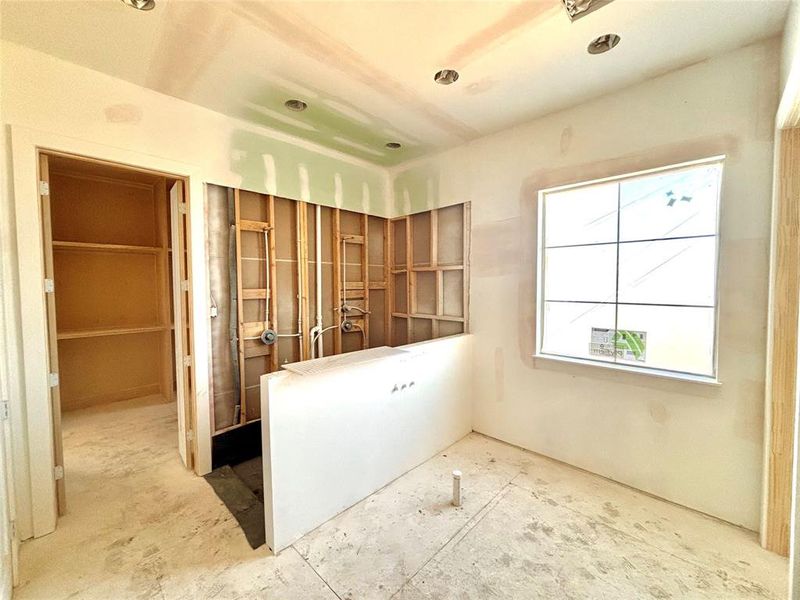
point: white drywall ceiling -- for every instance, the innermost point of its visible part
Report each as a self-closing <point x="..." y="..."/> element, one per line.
<point x="366" y="68"/>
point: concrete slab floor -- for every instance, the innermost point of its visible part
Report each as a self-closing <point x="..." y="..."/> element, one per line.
<point x="140" y="526"/>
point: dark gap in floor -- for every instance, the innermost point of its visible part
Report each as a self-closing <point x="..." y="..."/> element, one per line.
<point x="238" y="478"/>
<point x="236" y="446"/>
<point x="244" y="505"/>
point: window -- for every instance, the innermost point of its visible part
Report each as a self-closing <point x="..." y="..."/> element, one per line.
<point x="628" y="270"/>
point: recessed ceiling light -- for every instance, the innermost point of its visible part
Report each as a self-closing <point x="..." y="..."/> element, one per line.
<point x="446" y="76"/>
<point x="141" y="4"/>
<point x="604" y="43"/>
<point x="393" y="145"/>
<point x="295" y="105"/>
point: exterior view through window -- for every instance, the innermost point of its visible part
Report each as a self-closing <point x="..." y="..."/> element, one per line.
<point x="628" y="270"/>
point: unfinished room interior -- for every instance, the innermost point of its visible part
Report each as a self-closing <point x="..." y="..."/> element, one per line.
<point x="399" y="299"/>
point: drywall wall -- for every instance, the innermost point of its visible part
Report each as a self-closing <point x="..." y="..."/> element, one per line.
<point x="49" y="100"/>
<point x="333" y="437"/>
<point x="49" y="94"/>
<point x="789" y="109"/>
<point x="6" y="527"/>
<point x="790" y="44"/>
<point x="694" y="444"/>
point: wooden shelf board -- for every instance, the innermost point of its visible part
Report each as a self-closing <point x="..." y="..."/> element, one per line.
<point x="96" y="247"/>
<point x="88" y="333"/>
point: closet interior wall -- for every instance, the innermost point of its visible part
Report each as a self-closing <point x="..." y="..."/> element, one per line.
<point x="268" y="311"/>
<point x="110" y="233"/>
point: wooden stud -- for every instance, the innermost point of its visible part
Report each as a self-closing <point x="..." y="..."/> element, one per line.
<point x="411" y="278"/>
<point x="434" y="256"/>
<point x="782" y="375"/>
<point x="387" y="305"/>
<point x="273" y="277"/>
<point x="302" y="265"/>
<point x="336" y="241"/>
<point x="240" y="310"/>
<point x="365" y="278"/>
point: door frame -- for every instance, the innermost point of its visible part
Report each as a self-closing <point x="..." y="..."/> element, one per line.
<point x="32" y="416"/>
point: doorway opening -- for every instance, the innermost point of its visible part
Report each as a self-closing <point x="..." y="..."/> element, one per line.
<point x="118" y="289"/>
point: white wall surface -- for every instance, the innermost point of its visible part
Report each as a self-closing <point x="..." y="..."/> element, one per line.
<point x="694" y="444"/>
<point x="789" y="109"/>
<point x="333" y="438"/>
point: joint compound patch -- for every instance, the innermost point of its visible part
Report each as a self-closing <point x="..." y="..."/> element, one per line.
<point x="624" y="344"/>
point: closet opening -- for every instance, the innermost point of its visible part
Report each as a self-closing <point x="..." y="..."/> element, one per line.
<point x="118" y="289"/>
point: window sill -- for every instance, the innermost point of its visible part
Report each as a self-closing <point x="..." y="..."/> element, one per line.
<point x="685" y="377"/>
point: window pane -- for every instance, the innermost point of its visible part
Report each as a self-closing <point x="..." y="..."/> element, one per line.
<point x="668" y="272"/>
<point x="677" y="339"/>
<point x="581" y="273"/>
<point x="568" y="328"/>
<point x="581" y="216"/>
<point x="679" y="203"/>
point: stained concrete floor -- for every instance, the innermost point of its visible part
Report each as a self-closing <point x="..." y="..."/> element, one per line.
<point x="140" y="526"/>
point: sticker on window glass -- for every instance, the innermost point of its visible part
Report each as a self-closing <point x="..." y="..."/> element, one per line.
<point x="624" y="344"/>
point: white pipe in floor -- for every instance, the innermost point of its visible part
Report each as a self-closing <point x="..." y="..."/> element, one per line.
<point x="456" y="488"/>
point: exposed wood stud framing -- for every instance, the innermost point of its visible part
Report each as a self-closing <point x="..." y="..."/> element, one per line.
<point x="302" y="265"/>
<point x="336" y="246"/>
<point x="365" y="279"/>
<point x="782" y="376"/>
<point x="240" y="309"/>
<point x="354" y="238"/>
<point x="273" y="277"/>
<point x="411" y="278"/>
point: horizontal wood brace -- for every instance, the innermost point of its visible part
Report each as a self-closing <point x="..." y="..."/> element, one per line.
<point x="247" y="225"/>
<point x="254" y="294"/>
<point x="438" y="268"/>
<point x="352" y="238"/>
<point x="260" y="350"/>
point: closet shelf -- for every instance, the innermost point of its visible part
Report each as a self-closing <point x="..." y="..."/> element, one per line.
<point x="97" y="247"/>
<point x="88" y="333"/>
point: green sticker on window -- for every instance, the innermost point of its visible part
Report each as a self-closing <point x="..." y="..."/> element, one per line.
<point x="624" y="344"/>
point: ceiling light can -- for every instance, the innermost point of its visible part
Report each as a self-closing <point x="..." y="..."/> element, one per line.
<point x="446" y="76"/>
<point x="140" y="4"/>
<point x="295" y="105"/>
<point x="604" y="43"/>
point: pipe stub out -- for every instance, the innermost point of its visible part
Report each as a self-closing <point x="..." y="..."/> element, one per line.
<point x="269" y="337"/>
<point x="457" y="488"/>
<point x="347" y="326"/>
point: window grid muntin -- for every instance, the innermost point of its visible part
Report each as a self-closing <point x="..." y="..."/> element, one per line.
<point x="618" y="180"/>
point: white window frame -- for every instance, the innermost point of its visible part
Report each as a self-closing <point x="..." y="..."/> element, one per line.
<point x="712" y="379"/>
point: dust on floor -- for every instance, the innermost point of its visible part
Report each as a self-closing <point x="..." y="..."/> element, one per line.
<point x="140" y="526"/>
